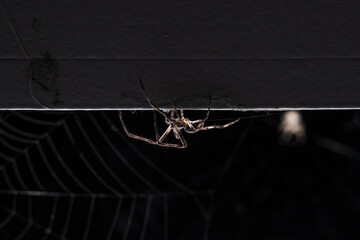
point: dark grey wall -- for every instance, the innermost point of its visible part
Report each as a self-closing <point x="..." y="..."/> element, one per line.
<point x="246" y="54"/>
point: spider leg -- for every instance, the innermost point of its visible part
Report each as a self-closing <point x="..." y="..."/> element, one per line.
<point x="177" y="132"/>
<point x="208" y="111"/>
<point x="176" y="112"/>
<point x="133" y="135"/>
<point x="151" y="103"/>
<point x="220" y="126"/>
<point x="182" y="114"/>
<point x="165" y="134"/>
<point x="156" y="127"/>
<point x="146" y="139"/>
<point x="182" y="139"/>
<point x="173" y="145"/>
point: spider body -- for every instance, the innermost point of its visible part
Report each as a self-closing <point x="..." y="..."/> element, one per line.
<point x="193" y="126"/>
<point x="186" y="124"/>
<point x="176" y="122"/>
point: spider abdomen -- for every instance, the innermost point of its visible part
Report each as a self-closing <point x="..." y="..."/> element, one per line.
<point x="194" y="126"/>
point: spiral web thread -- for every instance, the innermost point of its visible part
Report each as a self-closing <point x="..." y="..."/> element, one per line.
<point x="56" y="194"/>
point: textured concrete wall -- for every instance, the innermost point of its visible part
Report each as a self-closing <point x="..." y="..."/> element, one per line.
<point x="245" y="54"/>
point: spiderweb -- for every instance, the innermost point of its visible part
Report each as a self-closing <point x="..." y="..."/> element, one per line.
<point x="77" y="176"/>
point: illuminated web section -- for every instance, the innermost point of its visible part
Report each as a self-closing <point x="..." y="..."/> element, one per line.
<point x="76" y="176"/>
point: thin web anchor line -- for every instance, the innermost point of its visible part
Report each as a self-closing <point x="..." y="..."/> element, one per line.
<point x="25" y="54"/>
<point x="247" y="117"/>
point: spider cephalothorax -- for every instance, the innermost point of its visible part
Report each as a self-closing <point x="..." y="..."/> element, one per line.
<point x="176" y="122"/>
<point x="193" y="126"/>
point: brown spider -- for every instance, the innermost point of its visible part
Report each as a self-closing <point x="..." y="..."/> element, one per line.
<point x="175" y="125"/>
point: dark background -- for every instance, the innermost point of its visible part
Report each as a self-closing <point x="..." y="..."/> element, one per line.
<point x="246" y="54"/>
<point x="77" y="175"/>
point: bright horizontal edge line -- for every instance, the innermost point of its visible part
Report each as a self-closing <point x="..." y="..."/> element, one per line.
<point x="188" y="109"/>
<point x="191" y="58"/>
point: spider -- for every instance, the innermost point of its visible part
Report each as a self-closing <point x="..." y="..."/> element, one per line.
<point x="176" y="122"/>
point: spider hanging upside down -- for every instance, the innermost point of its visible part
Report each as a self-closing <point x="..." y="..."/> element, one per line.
<point x="176" y="124"/>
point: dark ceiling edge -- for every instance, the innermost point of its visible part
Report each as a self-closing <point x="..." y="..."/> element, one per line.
<point x="186" y="109"/>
